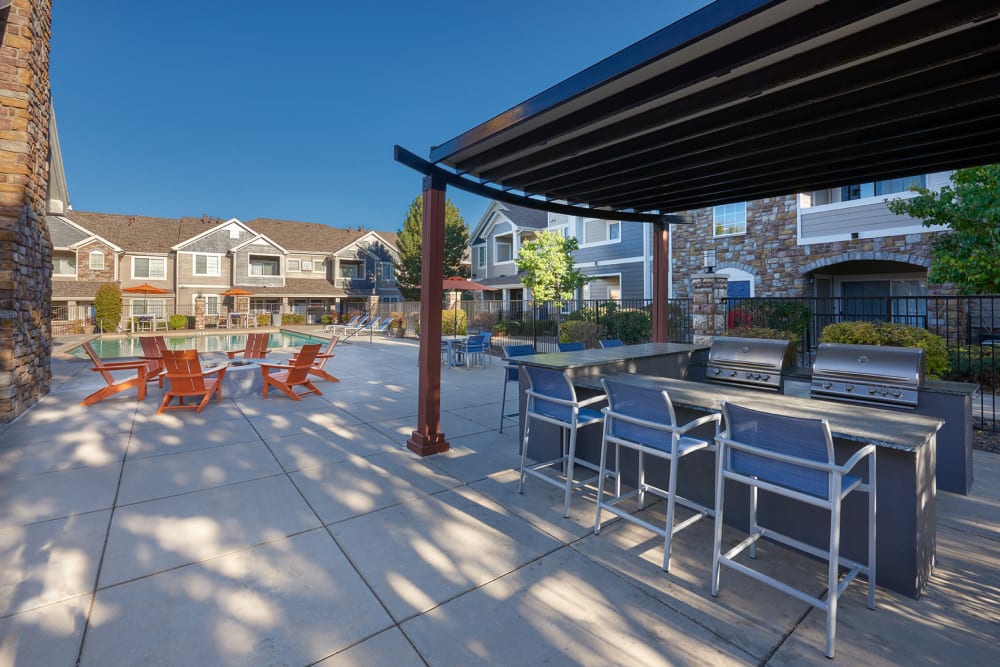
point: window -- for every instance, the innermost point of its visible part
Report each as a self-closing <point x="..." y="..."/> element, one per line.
<point x="206" y="265"/>
<point x="307" y="265"/>
<point x="144" y="306"/>
<point x="264" y="265"/>
<point x="504" y="248"/>
<point x="96" y="259"/>
<point x="730" y="219"/>
<point x="601" y="231"/>
<point x="64" y="265"/>
<point x="151" y="268"/>
<point x="294" y="265"/>
<point x="211" y="304"/>
<point x="481" y="256"/>
<point x="349" y="270"/>
<point x="387" y="271"/>
<point x="862" y="191"/>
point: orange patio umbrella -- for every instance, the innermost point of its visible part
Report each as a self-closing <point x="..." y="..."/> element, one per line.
<point x="145" y="289"/>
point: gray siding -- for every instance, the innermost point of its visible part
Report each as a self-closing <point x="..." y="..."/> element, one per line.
<point x="866" y="219"/>
<point x="629" y="246"/>
<point x="241" y="266"/>
<point x="217" y="242"/>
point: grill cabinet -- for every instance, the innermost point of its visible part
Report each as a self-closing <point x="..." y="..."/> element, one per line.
<point x="753" y="362"/>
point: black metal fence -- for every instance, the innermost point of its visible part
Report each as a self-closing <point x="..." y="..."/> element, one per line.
<point x="969" y="326"/>
<point x="542" y="323"/>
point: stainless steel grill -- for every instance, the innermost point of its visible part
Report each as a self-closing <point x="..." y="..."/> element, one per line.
<point x="755" y="362"/>
<point x="868" y="374"/>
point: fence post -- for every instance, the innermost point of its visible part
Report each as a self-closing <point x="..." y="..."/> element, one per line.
<point x="708" y="307"/>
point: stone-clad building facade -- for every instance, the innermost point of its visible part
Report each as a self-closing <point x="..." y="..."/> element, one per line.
<point x="25" y="248"/>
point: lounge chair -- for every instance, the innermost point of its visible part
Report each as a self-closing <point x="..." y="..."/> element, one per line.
<point x="353" y="323"/>
<point x="296" y="373"/>
<point x="317" y="368"/>
<point x="371" y="325"/>
<point x="256" y="347"/>
<point x="152" y="354"/>
<point x="113" y="386"/>
<point x="186" y="377"/>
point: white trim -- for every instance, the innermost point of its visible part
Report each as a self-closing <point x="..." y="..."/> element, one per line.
<point x="609" y="241"/>
<point x="194" y="262"/>
<point x="586" y="287"/>
<point x="613" y="262"/>
<point x="76" y="268"/>
<point x="255" y="239"/>
<point x="746" y="222"/>
<point x="90" y="260"/>
<point x="740" y="276"/>
<point x="93" y="237"/>
<point x="513" y="249"/>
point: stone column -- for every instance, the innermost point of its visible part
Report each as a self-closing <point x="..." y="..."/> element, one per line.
<point x="199" y="313"/>
<point x="708" y="306"/>
<point x="25" y="246"/>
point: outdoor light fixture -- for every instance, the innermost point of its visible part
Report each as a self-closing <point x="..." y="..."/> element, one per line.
<point x="709" y="261"/>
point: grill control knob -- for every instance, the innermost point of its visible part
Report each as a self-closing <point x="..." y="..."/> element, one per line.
<point x="897" y="394"/>
<point x="871" y="390"/>
<point x="732" y="374"/>
<point x="718" y="371"/>
<point x="827" y="385"/>
<point x="765" y="378"/>
<point x="848" y="387"/>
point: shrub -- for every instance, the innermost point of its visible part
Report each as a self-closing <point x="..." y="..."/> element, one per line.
<point x="108" y="306"/>
<point x="293" y="318"/>
<point x="974" y="363"/>
<point x="765" y="332"/>
<point x="453" y="322"/>
<point x="177" y="321"/>
<point x="484" y="320"/>
<point x="263" y="319"/>
<point x="891" y="334"/>
<point x="588" y="333"/>
<point x="326" y="319"/>
<point x="586" y="314"/>
<point x="398" y="319"/>
<point x="630" y="325"/>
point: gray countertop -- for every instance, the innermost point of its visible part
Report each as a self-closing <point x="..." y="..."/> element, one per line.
<point x="583" y="358"/>
<point x="898" y="430"/>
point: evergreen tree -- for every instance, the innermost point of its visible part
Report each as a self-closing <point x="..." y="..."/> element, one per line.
<point x="967" y="254"/>
<point x="410" y="245"/>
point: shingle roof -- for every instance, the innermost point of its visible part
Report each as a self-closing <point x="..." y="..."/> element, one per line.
<point x="63" y="234"/>
<point x="525" y="217"/>
<point x="304" y="236"/>
<point x="66" y="289"/>
<point x="301" y="287"/>
<point x="138" y="233"/>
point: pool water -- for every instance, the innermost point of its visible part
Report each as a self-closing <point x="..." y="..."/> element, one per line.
<point x="110" y="348"/>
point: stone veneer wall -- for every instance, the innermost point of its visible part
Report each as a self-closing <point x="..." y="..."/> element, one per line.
<point x="25" y="247"/>
<point x="86" y="274"/>
<point x="770" y="252"/>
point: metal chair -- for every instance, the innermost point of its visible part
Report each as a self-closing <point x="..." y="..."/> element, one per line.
<point x="611" y="342"/>
<point x="552" y="399"/>
<point x="472" y="347"/>
<point x="642" y="419"/>
<point x="792" y="457"/>
<point x="572" y="346"/>
<point x="510" y="374"/>
<point x="487" y="345"/>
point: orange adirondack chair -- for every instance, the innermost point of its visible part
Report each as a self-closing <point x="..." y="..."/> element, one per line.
<point x="152" y="354"/>
<point x="114" y="386"/>
<point x="321" y="359"/>
<point x="295" y="373"/>
<point x="188" y="379"/>
<point x="256" y="347"/>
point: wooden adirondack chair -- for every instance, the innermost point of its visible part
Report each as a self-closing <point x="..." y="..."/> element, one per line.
<point x="186" y="377"/>
<point x="256" y="347"/>
<point x="113" y="386"/>
<point x="321" y="359"/>
<point x="295" y="373"/>
<point x="152" y="354"/>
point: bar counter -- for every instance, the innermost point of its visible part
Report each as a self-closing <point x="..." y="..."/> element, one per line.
<point x="906" y="458"/>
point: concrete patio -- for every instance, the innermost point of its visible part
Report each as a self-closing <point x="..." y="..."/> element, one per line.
<point x="298" y="533"/>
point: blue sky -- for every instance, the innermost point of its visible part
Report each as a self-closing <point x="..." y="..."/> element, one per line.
<point x="290" y="109"/>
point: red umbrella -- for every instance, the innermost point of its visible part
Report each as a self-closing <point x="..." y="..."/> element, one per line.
<point x="464" y="284"/>
<point x="237" y="291"/>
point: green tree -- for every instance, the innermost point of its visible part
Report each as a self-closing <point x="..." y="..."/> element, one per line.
<point x="410" y="246"/>
<point x="108" y="306"/>
<point x="547" y="267"/>
<point x="967" y="254"/>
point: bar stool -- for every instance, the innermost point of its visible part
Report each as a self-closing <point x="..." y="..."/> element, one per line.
<point x="610" y="342"/>
<point x="510" y="374"/>
<point x="552" y="399"/>
<point x="793" y="457"/>
<point x="572" y="346"/>
<point x="642" y="419"/>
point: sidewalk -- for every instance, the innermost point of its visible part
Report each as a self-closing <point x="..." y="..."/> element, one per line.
<point x="280" y="532"/>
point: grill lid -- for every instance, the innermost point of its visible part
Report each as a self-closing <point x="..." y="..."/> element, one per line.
<point x="756" y="362"/>
<point x="869" y="373"/>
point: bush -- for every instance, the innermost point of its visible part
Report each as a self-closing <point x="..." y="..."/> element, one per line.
<point x="630" y="325"/>
<point x="326" y="319"/>
<point x="108" y="306"/>
<point x="453" y="322"/>
<point x="891" y="334"/>
<point x="263" y="319"/>
<point x="398" y="319"/>
<point x="974" y="363"/>
<point x="484" y="320"/>
<point x="588" y="333"/>
<point x="176" y="321"/>
<point x="293" y="318"/>
<point x="765" y="332"/>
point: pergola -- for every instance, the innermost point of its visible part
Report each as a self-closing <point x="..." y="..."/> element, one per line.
<point x="740" y="100"/>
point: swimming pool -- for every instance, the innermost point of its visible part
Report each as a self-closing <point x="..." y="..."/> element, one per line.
<point x="110" y="348"/>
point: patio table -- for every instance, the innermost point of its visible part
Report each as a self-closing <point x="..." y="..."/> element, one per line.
<point x="243" y="378"/>
<point x="450" y="342"/>
<point x="139" y="320"/>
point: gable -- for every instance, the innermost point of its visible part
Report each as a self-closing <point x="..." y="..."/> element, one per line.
<point x="64" y="234"/>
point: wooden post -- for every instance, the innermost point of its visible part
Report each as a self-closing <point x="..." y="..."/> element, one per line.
<point x="428" y="438"/>
<point x="661" y="269"/>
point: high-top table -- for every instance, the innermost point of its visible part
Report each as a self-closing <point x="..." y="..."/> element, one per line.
<point x="906" y="463"/>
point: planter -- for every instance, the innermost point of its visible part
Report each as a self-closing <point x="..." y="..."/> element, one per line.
<point x="398" y="332"/>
